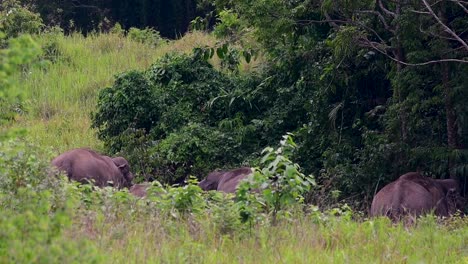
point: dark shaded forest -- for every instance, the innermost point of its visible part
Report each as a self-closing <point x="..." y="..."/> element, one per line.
<point x="170" y="18"/>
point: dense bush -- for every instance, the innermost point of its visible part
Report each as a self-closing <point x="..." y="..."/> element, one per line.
<point x="179" y="117"/>
<point x="16" y="20"/>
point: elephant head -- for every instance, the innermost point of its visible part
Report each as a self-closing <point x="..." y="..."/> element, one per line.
<point x="124" y="168"/>
<point x="451" y="189"/>
<point x="225" y="181"/>
<point x="211" y="181"/>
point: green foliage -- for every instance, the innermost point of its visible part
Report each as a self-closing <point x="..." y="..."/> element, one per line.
<point x="36" y="209"/>
<point x="279" y="181"/>
<point x="128" y="104"/>
<point x="16" y="20"/>
<point x="228" y="25"/>
<point x="50" y="41"/>
<point x="184" y="200"/>
<point x="117" y="29"/>
<point x="224" y="213"/>
<point x="193" y="149"/>
<point x="20" y="52"/>
<point x="167" y="114"/>
<point x="147" y="35"/>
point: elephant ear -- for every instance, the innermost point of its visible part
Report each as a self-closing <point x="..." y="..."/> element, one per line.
<point x="122" y="166"/>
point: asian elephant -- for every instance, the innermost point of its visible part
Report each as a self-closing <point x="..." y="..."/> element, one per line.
<point x="414" y="194"/>
<point x="83" y="165"/>
<point x="225" y="181"/>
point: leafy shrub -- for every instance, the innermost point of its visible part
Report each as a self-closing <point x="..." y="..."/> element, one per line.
<point x="117" y="30"/>
<point x="16" y="19"/>
<point x="229" y="24"/>
<point x="279" y="182"/>
<point x="21" y="167"/>
<point x="224" y="213"/>
<point x="167" y="122"/>
<point x="192" y="149"/>
<point x="147" y="35"/>
<point x="129" y="104"/>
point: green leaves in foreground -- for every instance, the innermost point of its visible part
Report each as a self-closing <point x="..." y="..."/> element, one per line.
<point x="20" y="52"/>
<point x="36" y="209"/>
<point x="279" y="182"/>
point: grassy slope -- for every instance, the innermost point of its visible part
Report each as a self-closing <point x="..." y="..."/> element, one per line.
<point x="61" y="98"/>
<point x="60" y="101"/>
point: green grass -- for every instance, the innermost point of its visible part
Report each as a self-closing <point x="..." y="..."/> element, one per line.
<point x="59" y="98"/>
<point x="160" y="240"/>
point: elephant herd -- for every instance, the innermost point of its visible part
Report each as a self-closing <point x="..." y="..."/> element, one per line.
<point x="411" y="194"/>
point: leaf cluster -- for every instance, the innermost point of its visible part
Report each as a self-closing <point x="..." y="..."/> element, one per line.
<point x="168" y="110"/>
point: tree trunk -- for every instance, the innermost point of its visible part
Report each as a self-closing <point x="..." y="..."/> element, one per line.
<point x="452" y="129"/>
<point x="400" y="56"/>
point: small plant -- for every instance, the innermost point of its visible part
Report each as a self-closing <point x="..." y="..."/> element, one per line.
<point x="147" y="35"/>
<point x="181" y="201"/>
<point x="228" y="24"/>
<point x="50" y="42"/>
<point x="224" y="213"/>
<point x="117" y="30"/>
<point x="279" y="181"/>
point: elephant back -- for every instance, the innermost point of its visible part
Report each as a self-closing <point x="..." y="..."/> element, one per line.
<point x="85" y="165"/>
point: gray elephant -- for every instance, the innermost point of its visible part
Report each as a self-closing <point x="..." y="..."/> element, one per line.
<point x="414" y="194"/>
<point x="84" y="164"/>
<point x="225" y="181"/>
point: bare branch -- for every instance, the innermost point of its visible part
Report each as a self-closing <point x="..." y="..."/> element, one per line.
<point x="385" y="10"/>
<point x="420" y="12"/>
<point x="432" y="34"/>
<point x="461" y="5"/>
<point x="378" y="14"/>
<point x="374" y="46"/>
<point x="78" y="4"/>
<point x="336" y="22"/>
<point x="333" y="24"/>
<point x="446" y="28"/>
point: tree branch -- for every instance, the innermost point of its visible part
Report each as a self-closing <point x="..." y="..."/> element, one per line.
<point x="385" y="10"/>
<point x="461" y="5"/>
<point x="446" y="28"/>
<point x="379" y="15"/>
<point x="375" y="47"/>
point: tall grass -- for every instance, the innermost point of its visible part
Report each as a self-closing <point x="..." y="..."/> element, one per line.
<point x="60" y="97"/>
<point x="159" y="240"/>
